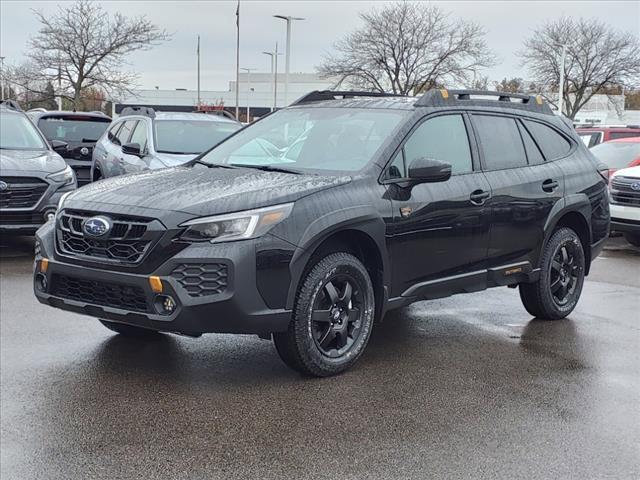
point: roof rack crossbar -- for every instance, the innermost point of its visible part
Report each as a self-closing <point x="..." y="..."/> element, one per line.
<point x="325" y="95"/>
<point x="141" y="110"/>
<point x="11" y="104"/>
<point x="435" y="97"/>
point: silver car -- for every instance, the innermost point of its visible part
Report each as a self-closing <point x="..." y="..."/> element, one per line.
<point x="142" y="139"/>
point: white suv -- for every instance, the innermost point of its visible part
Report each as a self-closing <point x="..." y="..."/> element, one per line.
<point x="624" y="190"/>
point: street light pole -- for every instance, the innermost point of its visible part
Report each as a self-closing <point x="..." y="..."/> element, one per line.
<point x="248" y="70"/>
<point x="563" y="59"/>
<point x="287" y="61"/>
<point x="274" y="74"/>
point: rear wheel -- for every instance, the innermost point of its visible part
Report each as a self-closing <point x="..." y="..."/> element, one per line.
<point x="129" y="330"/>
<point x="332" y="318"/>
<point x="633" y="239"/>
<point x="562" y="266"/>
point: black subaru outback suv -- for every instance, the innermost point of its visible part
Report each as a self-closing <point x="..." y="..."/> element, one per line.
<point x="313" y="222"/>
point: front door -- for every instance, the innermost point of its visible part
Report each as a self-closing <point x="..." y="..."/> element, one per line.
<point x="440" y="231"/>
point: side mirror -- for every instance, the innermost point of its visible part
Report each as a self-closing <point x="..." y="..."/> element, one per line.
<point x="58" y="145"/>
<point x="428" y="170"/>
<point x="132" y="149"/>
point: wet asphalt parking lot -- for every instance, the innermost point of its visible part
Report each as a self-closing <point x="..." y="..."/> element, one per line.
<point x="465" y="387"/>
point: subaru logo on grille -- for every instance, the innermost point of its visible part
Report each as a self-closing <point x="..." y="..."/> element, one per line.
<point x="96" y="226"/>
<point x="84" y="151"/>
<point x="634" y="186"/>
<point x="3" y="186"/>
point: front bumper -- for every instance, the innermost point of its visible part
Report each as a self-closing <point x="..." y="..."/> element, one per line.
<point x="625" y="218"/>
<point x="238" y="309"/>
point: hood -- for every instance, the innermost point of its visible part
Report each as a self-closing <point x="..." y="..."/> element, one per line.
<point x="30" y="161"/>
<point x="173" y="160"/>
<point x="201" y="191"/>
<point x="628" y="172"/>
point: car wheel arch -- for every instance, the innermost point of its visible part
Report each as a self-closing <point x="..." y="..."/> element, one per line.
<point x="364" y="240"/>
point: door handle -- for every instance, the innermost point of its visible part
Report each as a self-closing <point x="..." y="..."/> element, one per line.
<point x="549" y="185"/>
<point x="478" y="197"/>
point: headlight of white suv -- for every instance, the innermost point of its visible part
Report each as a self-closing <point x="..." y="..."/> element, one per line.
<point x="66" y="176"/>
<point x="235" y="226"/>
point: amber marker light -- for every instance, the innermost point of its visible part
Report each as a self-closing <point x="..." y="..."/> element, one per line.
<point x="156" y="284"/>
<point x="44" y="264"/>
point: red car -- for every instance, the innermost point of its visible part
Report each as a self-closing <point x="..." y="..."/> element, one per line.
<point x="618" y="154"/>
<point x="592" y="136"/>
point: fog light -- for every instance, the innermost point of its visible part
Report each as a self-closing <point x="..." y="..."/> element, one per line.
<point x="165" y="304"/>
<point x="41" y="282"/>
<point x="49" y="215"/>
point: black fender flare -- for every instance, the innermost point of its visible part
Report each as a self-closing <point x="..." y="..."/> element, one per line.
<point x="578" y="203"/>
<point x="362" y="218"/>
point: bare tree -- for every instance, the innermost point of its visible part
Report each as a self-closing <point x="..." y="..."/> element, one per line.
<point x="511" y="85"/>
<point x="598" y="57"/>
<point x="83" y="47"/>
<point x="408" y="47"/>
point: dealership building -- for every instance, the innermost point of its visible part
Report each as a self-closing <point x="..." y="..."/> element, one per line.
<point x="256" y="90"/>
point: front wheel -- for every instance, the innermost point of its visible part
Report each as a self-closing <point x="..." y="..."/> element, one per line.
<point x="562" y="266"/>
<point x="332" y="318"/>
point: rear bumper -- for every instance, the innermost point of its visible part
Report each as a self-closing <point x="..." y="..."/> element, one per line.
<point x="239" y="308"/>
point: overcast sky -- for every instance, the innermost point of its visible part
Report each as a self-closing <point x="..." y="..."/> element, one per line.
<point x="173" y="64"/>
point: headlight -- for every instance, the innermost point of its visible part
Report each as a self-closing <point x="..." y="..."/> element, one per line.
<point x="66" y="176"/>
<point x="235" y="226"/>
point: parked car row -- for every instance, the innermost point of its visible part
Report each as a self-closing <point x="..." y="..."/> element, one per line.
<point x="88" y="146"/>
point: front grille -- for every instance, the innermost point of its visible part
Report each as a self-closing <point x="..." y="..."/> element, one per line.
<point x="622" y="191"/>
<point x="129" y="239"/>
<point x="100" y="293"/>
<point x="202" y="279"/>
<point x="22" y="192"/>
<point x="21" y="218"/>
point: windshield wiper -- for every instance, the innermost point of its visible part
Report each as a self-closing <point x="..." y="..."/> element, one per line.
<point x="268" y="168"/>
<point x="210" y="165"/>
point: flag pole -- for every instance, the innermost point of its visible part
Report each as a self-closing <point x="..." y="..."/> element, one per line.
<point x="238" y="61"/>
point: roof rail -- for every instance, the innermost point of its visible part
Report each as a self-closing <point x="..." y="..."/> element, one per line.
<point x="324" y="95"/>
<point x="146" y="111"/>
<point x="220" y="113"/>
<point x="438" y="98"/>
<point x="11" y="105"/>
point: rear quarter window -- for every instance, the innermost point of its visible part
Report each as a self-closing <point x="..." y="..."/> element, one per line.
<point x="552" y="144"/>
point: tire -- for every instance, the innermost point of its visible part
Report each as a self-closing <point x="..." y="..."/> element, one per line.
<point x="633" y="239"/>
<point x="332" y="318"/>
<point x="129" y="330"/>
<point x="562" y="266"/>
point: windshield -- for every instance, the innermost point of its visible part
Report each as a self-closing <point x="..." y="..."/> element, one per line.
<point x="337" y="139"/>
<point x="18" y="133"/>
<point x="73" y="129"/>
<point x="190" y="136"/>
<point x="617" y="155"/>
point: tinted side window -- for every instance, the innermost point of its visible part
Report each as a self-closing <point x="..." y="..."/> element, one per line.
<point x="113" y="133"/>
<point x="500" y="141"/>
<point x="140" y="135"/>
<point x="125" y="132"/>
<point x="534" y="156"/>
<point x="553" y="144"/>
<point x="442" y="138"/>
<point x="614" y="135"/>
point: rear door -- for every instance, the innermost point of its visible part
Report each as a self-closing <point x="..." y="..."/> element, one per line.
<point x="440" y="231"/>
<point x="524" y="188"/>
